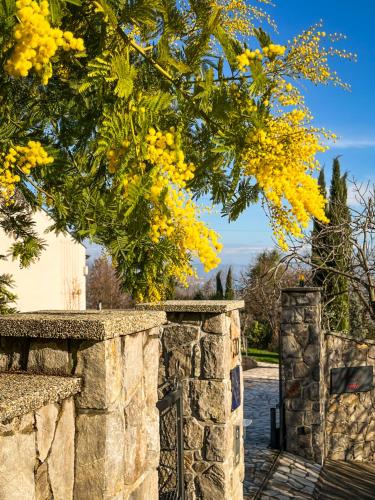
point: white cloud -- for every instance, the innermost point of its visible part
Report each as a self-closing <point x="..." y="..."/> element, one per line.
<point x="240" y="250"/>
<point x="358" y="191"/>
<point x="353" y="143"/>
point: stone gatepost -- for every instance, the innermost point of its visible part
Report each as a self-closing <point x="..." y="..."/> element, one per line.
<point x="201" y="349"/>
<point x="302" y="354"/>
<point x="116" y="354"/>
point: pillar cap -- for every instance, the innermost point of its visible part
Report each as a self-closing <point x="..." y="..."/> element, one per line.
<point x="193" y="306"/>
<point x="90" y="325"/>
<point x="302" y="289"/>
<point x="21" y="393"/>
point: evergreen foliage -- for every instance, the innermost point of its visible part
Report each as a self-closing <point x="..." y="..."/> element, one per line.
<point x="336" y="287"/>
<point x="219" y="287"/>
<point x="331" y="248"/>
<point x="7" y="298"/>
<point x="319" y="244"/>
<point x="229" y="289"/>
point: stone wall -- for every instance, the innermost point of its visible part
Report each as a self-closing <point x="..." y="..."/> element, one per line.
<point x="350" y="418"/>
<point x="303" y="392"/>
<point x="37" y="433"/>
<point x="319" y="424"/>
<point x="200" y="347"/>
<point x="116" y="355"/>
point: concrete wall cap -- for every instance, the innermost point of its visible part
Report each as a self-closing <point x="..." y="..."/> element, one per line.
<point x="302" y="289"/>
<point x="91" y="325"/>
<point x="22" y="393"/>
<point x="193" y="306"/>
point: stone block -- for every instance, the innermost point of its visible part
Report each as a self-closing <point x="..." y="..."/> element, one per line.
<point x="189" y="486"/>
<point x="42" y="483"/>
<point x="197" y="361"/>
<point x="174" y="336"/>
<point x="311" y="314"/>
<point x="235" y="324"/>
<point x="311" y="392"/>
<point x="200" y="467"/>
<point x="132" y="365"/>
<point x="136" y="434"/>
<point x="46" y="419"/>
<point x="292" y="315"/>
<point x="189" y="459"/>
<point x="290" y="347"/>
<point x="301" y="370"/>
<point x="180" y="362"/>
<point x="215" y="357"/>
<point x="336" y="454"/>
<point x="315" y="333"/>
<point x="298" y="404"/>
<point x="17" y="461"/>
<point x="216" y="323"/>
<point x="193" y="434"/>
<point x="311" y="354"/>
<point x="148" y="489"/>
<point x="13" y="353"/>
<point x="23" y="424"/>
<point x="354" y="356"/>
<point x="212" y="483"/>
<point x="302" y="334"/>
<point x="61" y="458"/>
<point x="49" y="357"/>
<point x="101" y="365"/>
<point x="300" y="298"/>
<point x="186" y="398"/>
<point x="339" y="441"/>
<point x="216" y="445"/>
<point x="248" y="363"/>
<point x="150" y="368"/>
<point x="100" y="446"/>
<point x="152" y="436"/>
<point x="293" y="389"/>
<point x="210" y="400"/>
<point x="294" y="418"/>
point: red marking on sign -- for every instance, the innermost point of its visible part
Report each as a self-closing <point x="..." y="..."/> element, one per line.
<point x="353" y="386"/>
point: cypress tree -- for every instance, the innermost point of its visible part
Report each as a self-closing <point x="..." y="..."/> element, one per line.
<point x="336" y="286"/>
<point x="319" y="249"/>
<point x="229" y="291"/>
<point x="219" y="287"/>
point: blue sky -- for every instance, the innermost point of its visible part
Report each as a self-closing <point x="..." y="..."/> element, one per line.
<point x="351" y="115"/>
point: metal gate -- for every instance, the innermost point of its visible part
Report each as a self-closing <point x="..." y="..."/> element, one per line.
<point x="171" y="467"/>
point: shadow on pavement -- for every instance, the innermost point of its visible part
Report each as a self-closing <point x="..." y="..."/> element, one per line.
<point x="346" y="481"/>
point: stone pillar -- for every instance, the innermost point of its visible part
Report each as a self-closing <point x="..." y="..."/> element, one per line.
<point x="116" y="354"/>
<point x="302" y="354"/>
<point x="201" y="349"/>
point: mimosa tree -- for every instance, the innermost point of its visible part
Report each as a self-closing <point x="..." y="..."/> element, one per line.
<point x="118" y="115"/>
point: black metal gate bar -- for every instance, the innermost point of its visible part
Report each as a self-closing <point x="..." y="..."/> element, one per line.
<point x="171" y="468"/>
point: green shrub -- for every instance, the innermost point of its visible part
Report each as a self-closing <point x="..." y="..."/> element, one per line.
<point x="259" y="335"/>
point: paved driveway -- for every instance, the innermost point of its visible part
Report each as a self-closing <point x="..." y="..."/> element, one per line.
<point x="261" y="387"/>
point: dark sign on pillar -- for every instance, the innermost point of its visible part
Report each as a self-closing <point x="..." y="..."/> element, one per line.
<point x="235" y="378"/>
<point x="353" y="379"/>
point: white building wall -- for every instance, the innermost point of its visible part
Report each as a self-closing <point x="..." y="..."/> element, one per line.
<point x="57" y="280"/>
